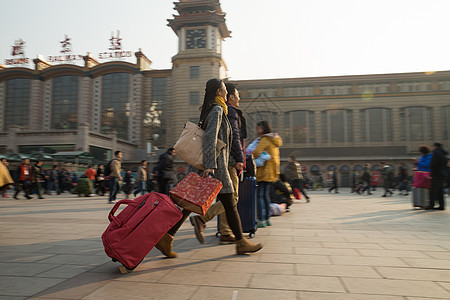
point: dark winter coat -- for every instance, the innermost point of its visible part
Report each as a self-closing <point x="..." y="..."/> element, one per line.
<point x="438" y="164"/>
<point x="239" y="129"/>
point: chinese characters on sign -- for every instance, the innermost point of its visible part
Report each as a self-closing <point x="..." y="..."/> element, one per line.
<point x="66" y="45"/>
<point x="116" y="46"/>
<point x="18" y="50"/>
<point x="66" y="55"/>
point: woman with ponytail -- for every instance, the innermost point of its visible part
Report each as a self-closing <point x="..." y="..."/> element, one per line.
<point x="213" y="119"/>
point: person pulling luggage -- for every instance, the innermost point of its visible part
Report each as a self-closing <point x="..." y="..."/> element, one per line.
<point x="235" y="166"/>
<point x="214" y="121"/>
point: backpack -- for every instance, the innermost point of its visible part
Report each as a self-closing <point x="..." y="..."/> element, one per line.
<point x="108" y="168"/>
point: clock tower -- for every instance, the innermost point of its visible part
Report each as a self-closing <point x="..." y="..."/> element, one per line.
<point x="201" y="28"/>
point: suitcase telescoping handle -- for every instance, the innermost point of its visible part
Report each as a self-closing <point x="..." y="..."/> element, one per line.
<point x="111" y="216"/>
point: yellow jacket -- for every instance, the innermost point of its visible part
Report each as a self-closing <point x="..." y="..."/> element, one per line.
<point x="5" y="178"/>
<point x="271" y="169"/>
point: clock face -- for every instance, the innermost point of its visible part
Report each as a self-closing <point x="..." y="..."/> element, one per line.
<point x="195" y="38"/>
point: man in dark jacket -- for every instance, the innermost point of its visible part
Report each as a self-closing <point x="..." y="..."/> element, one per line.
<point x="438" y="173"/>
<point x="236" y="165"/>
<point x="334" y="182"/>
<point x="38" y="178"/>
<point x="386" y="174"/>
<point x="164" y="170"/>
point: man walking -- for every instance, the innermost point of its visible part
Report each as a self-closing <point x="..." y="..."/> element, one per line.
<point x="141" y="179"/>
<point x="38" y="178"/>
<point x="236" y="164"/>
<point x="164" y="170"/>
<point x="438" y="169"/>
<point x="367" y="178"/>
<point x="403" y="179"/>
<point x="294" y="174"/>
<point x="115" y="178"/>
<point x="91" y="174"/>
<point x="53" y="179"/>
<point x="334" y="184"/>
<point x="386" y="175"/>
<point x="23" y="179"/>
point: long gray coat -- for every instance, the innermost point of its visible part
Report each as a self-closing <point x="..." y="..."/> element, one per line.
<point x="216" y="127"/>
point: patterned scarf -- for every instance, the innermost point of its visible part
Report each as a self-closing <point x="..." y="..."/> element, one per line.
<point x="219" y="100"/>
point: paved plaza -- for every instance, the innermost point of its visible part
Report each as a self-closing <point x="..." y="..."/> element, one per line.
<point x="339" y="246"/>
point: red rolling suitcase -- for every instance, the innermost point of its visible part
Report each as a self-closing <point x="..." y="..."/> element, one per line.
<point x="137" y="229"/>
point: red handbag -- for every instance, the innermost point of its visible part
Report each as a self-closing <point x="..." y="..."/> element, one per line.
<point x="196" y="193"/>
<point x="422" y="179"/>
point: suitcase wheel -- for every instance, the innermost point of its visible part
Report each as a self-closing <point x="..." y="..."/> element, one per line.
<point x="114" y="260"/>
<point x="218" y="235"/>
<point x="251" y="235"/>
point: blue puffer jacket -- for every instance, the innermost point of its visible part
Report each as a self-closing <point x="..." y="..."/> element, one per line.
<point x="424" y="163"/>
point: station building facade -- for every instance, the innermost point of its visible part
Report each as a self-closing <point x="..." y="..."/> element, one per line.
<point x="326" y="122"/>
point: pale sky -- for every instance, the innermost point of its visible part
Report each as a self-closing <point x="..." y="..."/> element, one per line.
<point x="270" y="39"/>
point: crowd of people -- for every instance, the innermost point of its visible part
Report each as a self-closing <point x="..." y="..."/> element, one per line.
<point x="32" y="179"/>
<point x="222" y="120"/>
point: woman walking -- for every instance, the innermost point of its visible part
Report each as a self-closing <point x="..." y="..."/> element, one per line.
<point x="214" y="121"/>
<point x="267" y="174"/>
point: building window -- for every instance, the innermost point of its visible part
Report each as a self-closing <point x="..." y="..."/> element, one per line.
<point x="406" y="87"/>
<point x="298" y="91"/>
<point x="65" y="102"/>
<point x="194" y="72"/>
<point x="376" y="125"/>
<point x="262" y="93"/>
<point x="374" y="88"/>
<point x="299" y="127"/>
<point x="335" y="90"/>
<point x="254" y="118"/>
<point x="115" y="104"/>
<point x="337" y="126"/>
<point x="416" y="124"/>
<point x="17" y="102"/>
<point x="194" y="98"/>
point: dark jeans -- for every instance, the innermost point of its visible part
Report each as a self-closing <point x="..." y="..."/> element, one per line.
<point x="367" y="187"/>
<point x="38" y="187"/>
<point x="386" y="186"/>
<point x="101" y="187"/>
<point x="299" y="184"/>
<point x="22" y="186"/>
<point x="437" y="192"/>
<point x="234" y="221"/>
<point x="263" y="194"/>
<point x="142" y="188"/>
<point x="113" y="188"/>
<point x="50" y="186"/>
<point x="163" y="186"/>
<point x="334" y="187"/>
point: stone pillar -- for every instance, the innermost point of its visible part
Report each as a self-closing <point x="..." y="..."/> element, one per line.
<point x="12" y="138"/>
<point x="83" y="137"/>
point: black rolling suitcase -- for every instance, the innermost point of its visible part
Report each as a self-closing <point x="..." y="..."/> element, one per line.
<point x="246" y="207"/>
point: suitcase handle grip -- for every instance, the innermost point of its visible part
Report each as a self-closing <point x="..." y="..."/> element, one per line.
<point x="111" y="216"/>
